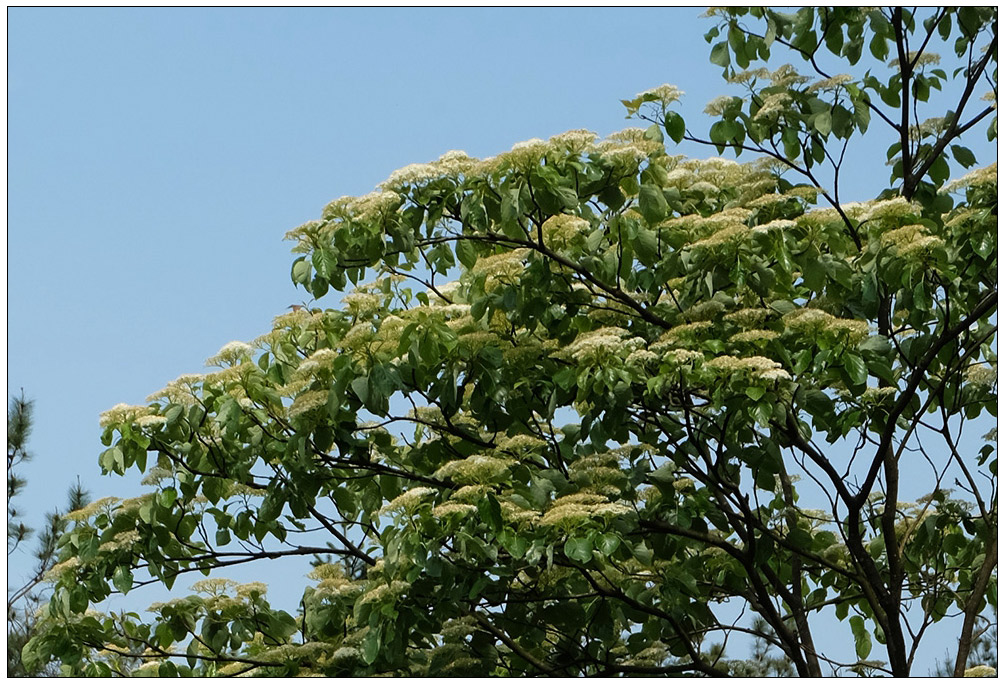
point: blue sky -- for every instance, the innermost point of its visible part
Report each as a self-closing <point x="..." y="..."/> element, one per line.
<point x="156" y="157"/>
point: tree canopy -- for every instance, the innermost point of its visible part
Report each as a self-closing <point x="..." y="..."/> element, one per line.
<point x="588" y="407"/>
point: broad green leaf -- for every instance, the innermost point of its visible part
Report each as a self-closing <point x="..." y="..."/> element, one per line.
<point x="675" y="126"/>
<point x="652" y="204"/>
<point x="863" y="641"/>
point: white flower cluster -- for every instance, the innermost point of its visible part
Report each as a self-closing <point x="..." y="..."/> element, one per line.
<point x="929" y="127"/>
<point x="307" y="401"/>
<point x="575" y="141"/>
<point x="597" y="346"/>
<point x="923" y="59"/>
<point x="894" y="208"/>
<point x="231" y="353"/>
<point x="754" y="335"/>
<point x="831" y="83"/>
<point x="450" y="508"/>
<point x="981" y="671"/>
<point x="182" y="390"/>
<point x="748" y="318"/>
<point x="629" y="146"/>
<point x="684" y="333"/>
<point x="810" y="321"/>
<point x="562" y="228"/>
<point x="601" y="472"/>
<point x="213" y="586"/>
<point x="784" y="76"/>
<point x="505" y="267"/>
<point x="123" y="540"/>
<point x="362" y="303"/>
<point x="878" y="395"/>
<point x="408" y="501"/>
<point x="103" y="505"/>
<point x="572" y="510"/>
<point x="476" y="469"/>
<point x="983" y="176"/>
<point x="710" y="310"/>
<point x="717" y="106"/>
<point x="254" y="588"/>
<point x="452" y="164"/>
<point x="731" y="235"/>
<point x="665" y="94"/>
<point x="911" y="240"/>
<point x="756" y="366"/>
<point x="384" y="592"/>
<point x="318" y="361"/>
<point x="362" y="209"/>
<point x="772" y="107"/>
<point x="520" y="443"/>
<point x="981" y="375"/>
<point x="123" y="413"/>
<point x="150" y="420"/>
<point x="775" y="225"/>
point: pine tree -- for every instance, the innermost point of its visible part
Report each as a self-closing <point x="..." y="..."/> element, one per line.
<point x="24" y="600"/>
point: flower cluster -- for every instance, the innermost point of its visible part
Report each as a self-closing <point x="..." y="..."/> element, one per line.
<point x="983" y="176"/>
<point x="599" y="473"/>
<point x="809" y="321"/>
<point x="452" y="164"/>
<point x="478" y="468"/>
<point x="757" y="367"/>
<point x="312" y="399"/>
<point x="562" y="228"/>
<point x="383" y="593"/>
<point x="231" y="353"/>
<point x="981" y="375"/>
<point x="831" y="83"/>
<point x="449" y="508"/>
<point x="500" y="269"/>
<point x="772" y="107"/>
<point x="748" y="318"/>
<point x="123" y="413"/>
<point x="718" y="106"/>
<point x="597" y="346"/>
<point x="665" y="94"/>
<point x="408" y="501"/>
<point x="572" y="510"/>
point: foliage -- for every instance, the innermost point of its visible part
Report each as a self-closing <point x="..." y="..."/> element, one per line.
<point x="589" y="403"/>
<point x="24" y="601"/>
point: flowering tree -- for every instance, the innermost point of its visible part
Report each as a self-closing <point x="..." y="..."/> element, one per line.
<point x="591" y="407"/>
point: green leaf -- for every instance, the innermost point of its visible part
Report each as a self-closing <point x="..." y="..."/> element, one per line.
<point x="939" y="171"/>
<point x="301" y="271"/>
<point x="863" y="641"/>
<point x="822" y="123"/>
<point x="167" y="497"/>
<point x="609" y="544"/>
<point x="579" y="549"/>
<point x="963" y="156"/>
<point x="719" y="56"/>
<point x="856" y="368"/>
<point x="361" y="386"/>
<point x="122" y="579"/>
<point x="675" y="127"/>
<point x="652" y="203"/>
<point x="646" y="245"/>
<point x="371" y="645"/>
<point x="491" y="512"/>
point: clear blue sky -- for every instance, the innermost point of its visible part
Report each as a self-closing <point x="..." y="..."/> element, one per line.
<point x="157" y="156"/>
